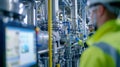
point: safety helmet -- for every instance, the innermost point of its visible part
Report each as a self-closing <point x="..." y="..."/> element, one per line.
<point x="91" y="2"/>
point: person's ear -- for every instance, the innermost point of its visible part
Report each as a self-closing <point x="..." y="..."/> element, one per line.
<point x="101" y="10"/>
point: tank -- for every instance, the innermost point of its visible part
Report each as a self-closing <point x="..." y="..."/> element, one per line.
<point x="42" y="40"/>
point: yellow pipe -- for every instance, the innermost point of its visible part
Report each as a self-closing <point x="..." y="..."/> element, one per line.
<point x="50" y="31"/>
<point x="58" y="65"/>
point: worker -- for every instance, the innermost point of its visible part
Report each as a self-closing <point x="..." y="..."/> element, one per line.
<point x="91" y="32"/>
<point x="91" y="29"/>
<point x="104" y="50"/>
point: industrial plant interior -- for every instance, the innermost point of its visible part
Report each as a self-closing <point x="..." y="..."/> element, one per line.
<point x="43" y="33"/>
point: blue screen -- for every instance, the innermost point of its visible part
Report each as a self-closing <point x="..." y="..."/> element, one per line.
<point x="20" y="47"/>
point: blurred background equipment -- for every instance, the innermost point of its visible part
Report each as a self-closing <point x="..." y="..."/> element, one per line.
<point x="28" y="39"/>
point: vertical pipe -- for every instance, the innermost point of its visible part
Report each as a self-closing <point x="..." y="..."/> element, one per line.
<point x="46" y="9"/>
<point x="58" y="65"/>
<point x="74" y="15"/>
<point x="55" y="9"/>
<point x="50" y="31"/>
<point x="30" y="14"/>
<point x="35" y="13"/>
<point x="83" y="16"/>
<point x="85" y="31"/>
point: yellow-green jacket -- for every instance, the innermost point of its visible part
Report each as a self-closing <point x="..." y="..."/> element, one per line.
<point x="104" y="50"/>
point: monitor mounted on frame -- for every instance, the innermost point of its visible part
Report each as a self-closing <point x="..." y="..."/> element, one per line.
<point x="18" y="45"/>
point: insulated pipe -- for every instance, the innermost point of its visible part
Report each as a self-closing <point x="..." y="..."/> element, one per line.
<point x="50" y="31"/>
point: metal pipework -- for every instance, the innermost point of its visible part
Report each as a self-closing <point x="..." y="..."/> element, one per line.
<point x="50" y="31"/>
<point x="30" y="8"/>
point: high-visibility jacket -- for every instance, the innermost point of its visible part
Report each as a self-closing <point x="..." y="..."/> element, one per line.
<point x="104" y="49"/>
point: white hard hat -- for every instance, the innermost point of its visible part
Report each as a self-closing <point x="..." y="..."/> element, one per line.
<point x="91" y="2"/>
